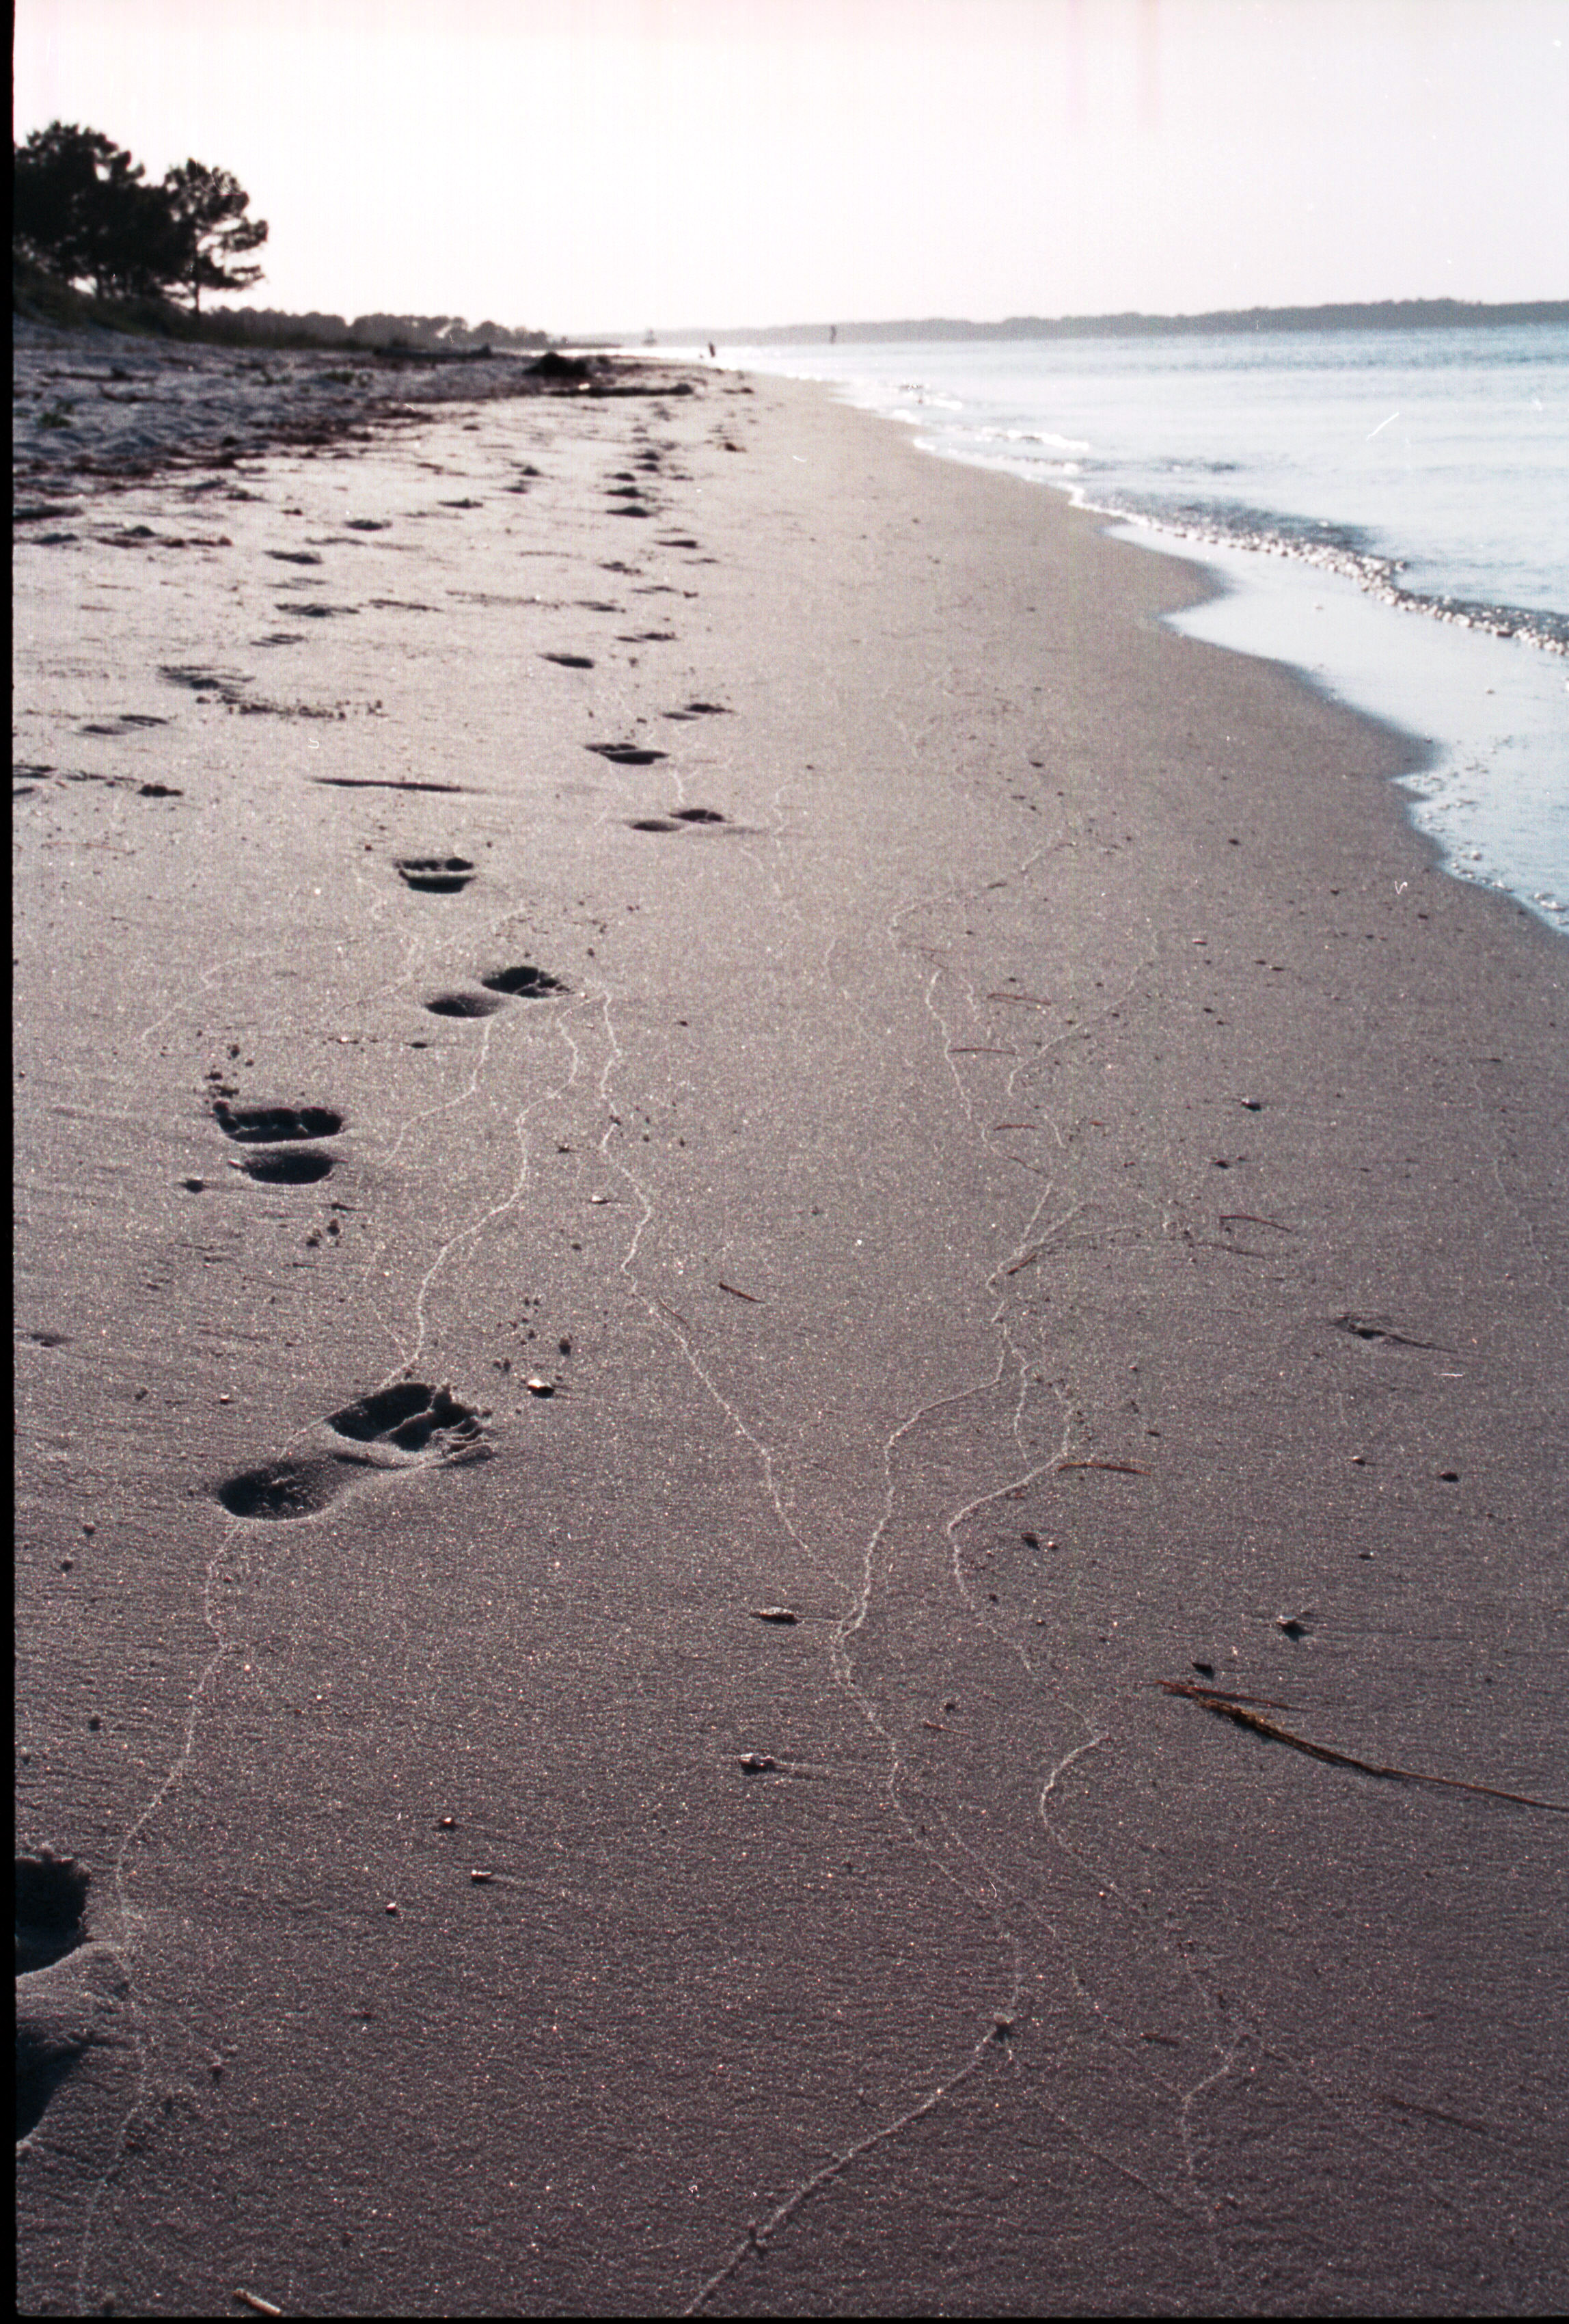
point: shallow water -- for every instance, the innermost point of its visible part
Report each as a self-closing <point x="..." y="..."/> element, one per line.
<point x="1386" y="511"/>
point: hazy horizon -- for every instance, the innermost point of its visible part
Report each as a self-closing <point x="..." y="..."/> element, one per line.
<point x="616" y="165"/>
<point x="875" y="326"/>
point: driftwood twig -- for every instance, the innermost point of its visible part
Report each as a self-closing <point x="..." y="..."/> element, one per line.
<point x="1238" y="1710"/>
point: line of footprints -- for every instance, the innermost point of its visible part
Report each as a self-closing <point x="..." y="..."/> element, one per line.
<point x="411" y="1425"/>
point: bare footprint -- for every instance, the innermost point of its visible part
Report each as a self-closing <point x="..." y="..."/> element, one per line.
<point x="524" y="982"/>
<point x="626" y="754"/>
<point x="380" y="783"/>
<point x="51" y="1903"/>
<point x="409" y="1425"/>
<point x="436" y="875"/>
<point x="677" y="818"/>
<point x="296" y="1166"/>
<point x="273" y="1125"/>
<point x="64" y="2014"/>
<point x="463" y="1004"/>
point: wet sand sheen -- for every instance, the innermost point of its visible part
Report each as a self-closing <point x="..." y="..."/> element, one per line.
<point x="1035" y="1174"/>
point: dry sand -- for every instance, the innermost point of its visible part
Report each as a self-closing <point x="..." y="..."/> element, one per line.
<point x="1056" y="1191"/>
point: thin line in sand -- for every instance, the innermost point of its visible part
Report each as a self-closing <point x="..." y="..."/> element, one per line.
<point x="1237" y="1709"/>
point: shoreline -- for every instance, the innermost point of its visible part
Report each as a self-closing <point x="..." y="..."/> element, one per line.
<point x="881" y="1085"/>
<point x="1434" y="690"/>
<point x="1480" y="690"/>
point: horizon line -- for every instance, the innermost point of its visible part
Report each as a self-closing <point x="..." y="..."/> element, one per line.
<point x="1416" y="310"/>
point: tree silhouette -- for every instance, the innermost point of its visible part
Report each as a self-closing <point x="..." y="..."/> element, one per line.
<point x="209" y="206"/>
<point x="81" y="209"/>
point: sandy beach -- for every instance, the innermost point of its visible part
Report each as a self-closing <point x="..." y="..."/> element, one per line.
<point x="716" y="1163"/>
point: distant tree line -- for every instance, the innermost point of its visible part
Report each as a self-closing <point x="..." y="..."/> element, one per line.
<point x="84" y="211"/>
<point x="433" y="334"/>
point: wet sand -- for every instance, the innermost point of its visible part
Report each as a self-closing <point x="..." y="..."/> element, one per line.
<point x="712" y="1155"/>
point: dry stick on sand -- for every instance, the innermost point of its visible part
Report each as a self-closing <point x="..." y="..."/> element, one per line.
<point x="1235" y="1708"/>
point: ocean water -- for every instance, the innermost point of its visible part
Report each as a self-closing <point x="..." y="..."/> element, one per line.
<point x="1386" y="511"/>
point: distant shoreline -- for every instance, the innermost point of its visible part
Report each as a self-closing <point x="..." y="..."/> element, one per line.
<point x="1382" y="315"/>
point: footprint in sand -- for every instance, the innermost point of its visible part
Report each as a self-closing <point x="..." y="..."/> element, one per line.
<point x="275" y="1125"/>
<point x="626" y="754"/>
<point x="296" y="1166"/>
<point x="51" y="1905"/>
<point x="409" y="1426"/>
<point x="524" y="982"/>
<point x="227" y="685"/>
<point x="126" y="723"/>
<point x="436" y="875"/>
<point x="380" y="783"/>
<point x="677" y="816"/>
<point x="463" y="1004"/>
<point x="286" y="1128"/>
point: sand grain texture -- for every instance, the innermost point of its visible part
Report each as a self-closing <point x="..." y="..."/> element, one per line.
<point x="1041" y="1178"/>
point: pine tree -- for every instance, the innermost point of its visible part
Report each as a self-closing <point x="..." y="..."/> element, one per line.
<point x="210" y="208"/>
<point x="82" y="210"/>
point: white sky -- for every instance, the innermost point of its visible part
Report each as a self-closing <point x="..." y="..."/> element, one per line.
<point x="583" y="164"/>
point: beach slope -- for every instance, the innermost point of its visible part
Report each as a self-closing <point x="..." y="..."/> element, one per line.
<point x="716" y="1161"/>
